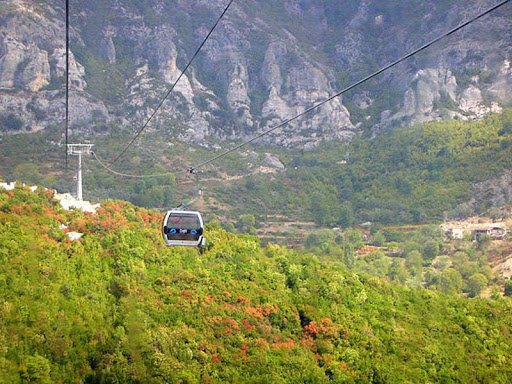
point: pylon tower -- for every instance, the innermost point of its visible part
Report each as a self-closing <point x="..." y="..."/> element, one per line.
<point x="79" y="150"/>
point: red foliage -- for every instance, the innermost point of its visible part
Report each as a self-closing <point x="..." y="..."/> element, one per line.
<point x="247" y="325"/>
<point x="231" y="323"/>
<point x="243" y="349"/>
<point x="328" y="329"/>
<point x="311" y="329"/>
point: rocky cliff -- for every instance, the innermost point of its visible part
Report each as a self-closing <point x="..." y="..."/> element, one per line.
<point x="266" y="62"/>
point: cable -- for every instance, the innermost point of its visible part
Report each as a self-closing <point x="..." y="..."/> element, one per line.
<point x="127" y="175"/>
<point x="383" y="69"/>
<point x="174" y="85"/>
<point x="67" y="81"/>
<point x="181" y="206"/>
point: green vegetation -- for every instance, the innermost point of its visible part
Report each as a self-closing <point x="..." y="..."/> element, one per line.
<point x="415" y="174"/>
<point x="10" y="122"/>
<point x="417" y="257"/>
<point x="410" y="175"/>
<point x="117" y="306"/>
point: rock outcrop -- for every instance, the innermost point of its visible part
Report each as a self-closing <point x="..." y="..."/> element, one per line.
<point x="262" y="65"/>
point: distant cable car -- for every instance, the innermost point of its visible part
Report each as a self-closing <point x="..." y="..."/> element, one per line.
<point x="183" y="228"/>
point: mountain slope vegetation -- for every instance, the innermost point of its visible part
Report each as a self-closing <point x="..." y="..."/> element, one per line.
<point x="118" y="307"/>
<point x="417" y="174"/>
<point x="413" y="174"/>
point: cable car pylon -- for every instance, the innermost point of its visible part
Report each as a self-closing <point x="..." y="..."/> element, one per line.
<point x="79" y="150"/>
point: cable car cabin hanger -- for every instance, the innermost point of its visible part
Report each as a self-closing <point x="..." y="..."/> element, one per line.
<point x="183" y="228"/>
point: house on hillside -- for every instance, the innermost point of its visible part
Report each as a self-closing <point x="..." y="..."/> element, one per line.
<point x="495" y="232"/>
<point x="454" y="233"/>
<point x="498" y="233"/>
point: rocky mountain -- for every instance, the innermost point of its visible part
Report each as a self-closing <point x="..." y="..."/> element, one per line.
<point x="266" y="62"/>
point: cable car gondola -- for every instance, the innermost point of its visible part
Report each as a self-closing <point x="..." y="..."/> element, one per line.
<point x="183" y="228"/>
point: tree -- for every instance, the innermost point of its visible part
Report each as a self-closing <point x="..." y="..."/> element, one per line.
<point x="346" y="216"/>
<point x="397" y="272"/>
<point x="378" y="239"/>
<point x="483" y="242"/>
<point x="414" y="262"/>
<point x="508" y="288"/>
<point x="450" y="281"/>
<point x="430" y="250"/>
<point x="354" y="237"/>
<point x="350" y="255"/>
<point x="319" y="238"/>
<point x="37" y="370"/>
<point x="28" y="173"/>
<point x="246" y="223"/>
<point x="475" y="284"/>
<point x="10" y="122"/>
<point x="323" y="209"/>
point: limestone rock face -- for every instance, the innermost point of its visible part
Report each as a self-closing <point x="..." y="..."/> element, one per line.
<point x="23" y="66"/>
<point x="76" y="70"/>
<point x="272" y="161"/>
<point x="32" y="69"/>
<point x="297" y="89"/>
<point x="238" y="95"/>
<point x="264" y="64"/>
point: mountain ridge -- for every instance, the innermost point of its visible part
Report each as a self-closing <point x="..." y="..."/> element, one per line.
<point x="257" y="69"/>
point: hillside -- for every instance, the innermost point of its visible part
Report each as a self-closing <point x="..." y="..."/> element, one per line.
<point x="418" y="174"/>
<point x="117" y="306"/>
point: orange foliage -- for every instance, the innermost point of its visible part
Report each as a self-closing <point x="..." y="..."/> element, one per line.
<point x="308" y="342"/>
<point x="229" y="307"/>
<point x="261" y="311"/>
<point x="187" y="293"/>
<point x="285" y="344"/>
<point x="254" y="312"/>
<point x="146" y="218"/>
<point x="20" y="209"/>
<point x="328" y="329"/>
<point x="49" y="212"/>
<point x="242" y="300"/>
<point x="231" y="323"/>
<point x="261" y="343"/>
<point x="311" y="329"/>
<point x="247" y="325"/>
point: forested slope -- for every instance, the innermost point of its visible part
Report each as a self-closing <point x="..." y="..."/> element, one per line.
<point x="119" y="307"/>
<point x="413" y="174"/>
